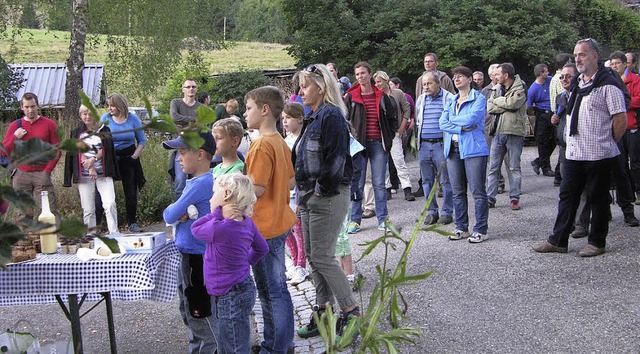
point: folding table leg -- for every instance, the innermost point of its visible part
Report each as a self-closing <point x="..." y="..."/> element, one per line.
<point x="112" y="331"/>
<point x="74" y="318"/>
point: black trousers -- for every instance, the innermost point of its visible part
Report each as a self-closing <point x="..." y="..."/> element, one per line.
<point x="544" y="134"/>
<point x="128" y="167"/>
<point x="592" y="177"/>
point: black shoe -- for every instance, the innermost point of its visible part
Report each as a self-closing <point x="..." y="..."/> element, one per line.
<point x="344" y="320"/>
<point x="408" y="196"/>
<point x="431" y="219"/>
<point x="419" y="193"/>
<point x="388" y="193"/>
<point x="535" y="166"/>
<point x="548" y="172"/>
<point x="556" y="182"/>
<point x="311" y="330"/>
<point x="631" y="220"/>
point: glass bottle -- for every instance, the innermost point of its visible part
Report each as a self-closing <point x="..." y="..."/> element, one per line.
<point x="48" y="237"/>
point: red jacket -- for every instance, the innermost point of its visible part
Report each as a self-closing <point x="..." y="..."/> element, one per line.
<point x="44" y="129"/>
<point x="633" y="84"/>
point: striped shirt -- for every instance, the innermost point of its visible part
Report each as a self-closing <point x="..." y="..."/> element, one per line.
<point x="373" y="128"/>
<point x="594" y="140"/>
<point x="431" y="113"/>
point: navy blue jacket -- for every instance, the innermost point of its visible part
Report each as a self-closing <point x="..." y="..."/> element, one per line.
<point x="321" y="156"/>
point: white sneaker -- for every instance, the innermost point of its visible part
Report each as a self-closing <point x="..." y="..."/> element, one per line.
<point x="290" y="272"/>
<point x="477" y="237"/>
<point x="299" y="276"/>
<point x="458" y="235"/>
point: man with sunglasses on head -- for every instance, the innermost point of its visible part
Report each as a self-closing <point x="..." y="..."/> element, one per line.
<point x="597" y="119"/>
<point x="183" y="111"/>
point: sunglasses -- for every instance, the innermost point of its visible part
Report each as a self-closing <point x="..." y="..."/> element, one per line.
<point x="568" y="77"/>
<point x="313" y="69"/>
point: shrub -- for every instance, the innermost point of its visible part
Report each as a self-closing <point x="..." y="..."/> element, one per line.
<point x="236" y="85"/>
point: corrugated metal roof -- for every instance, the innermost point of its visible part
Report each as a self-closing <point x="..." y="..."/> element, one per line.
<point x="47" y="81"/>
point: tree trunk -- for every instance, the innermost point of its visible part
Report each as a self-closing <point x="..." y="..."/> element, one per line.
<point x="75" y="63"/>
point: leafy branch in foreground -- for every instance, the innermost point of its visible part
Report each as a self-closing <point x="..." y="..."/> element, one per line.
<point x="35" y="151"/>
<point x="386" y="298"/>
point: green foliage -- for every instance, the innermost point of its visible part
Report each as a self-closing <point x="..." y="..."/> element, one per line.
<point x="608" y="23"/>
<point x="236" y="85"/>
<point x="10" y="82"/>
<point x="394" y="36"/>
<point x="260" y="20"/>
<point x="28" y="17"/>
<point x="59" y="14"/>
<point x="157" y="193"/>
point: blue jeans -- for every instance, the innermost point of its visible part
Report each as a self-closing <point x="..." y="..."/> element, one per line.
<point x="431" y="157"/>
<point x="181" y="178"/>
<point x="472" y="172"/>
<point x="375" y="153"/>
<point x="201" y="337"/>
<point x="231" y="317"/>
<point x="511" y="146"/>
<point x="277" y="308"/>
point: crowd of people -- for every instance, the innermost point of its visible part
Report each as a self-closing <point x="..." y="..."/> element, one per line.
<point x="315" y="166"/>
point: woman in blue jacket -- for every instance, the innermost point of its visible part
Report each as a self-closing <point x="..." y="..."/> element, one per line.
<point x="466" y="151"/>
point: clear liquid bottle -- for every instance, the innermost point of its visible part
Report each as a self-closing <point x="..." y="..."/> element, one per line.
<point x="48" y="237"/>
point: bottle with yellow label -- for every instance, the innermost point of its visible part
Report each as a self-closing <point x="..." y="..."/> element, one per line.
<point x="48" y="237"/>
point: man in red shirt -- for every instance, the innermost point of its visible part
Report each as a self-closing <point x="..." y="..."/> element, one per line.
<point x="33" y="178"/>
<point x="629" y="180"/>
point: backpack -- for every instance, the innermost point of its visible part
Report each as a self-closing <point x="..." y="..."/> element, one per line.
<point x="6" y="160"/>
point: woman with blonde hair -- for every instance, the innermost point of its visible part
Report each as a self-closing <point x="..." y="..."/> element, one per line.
<point x="129" y="141"/>
<point x="323" y="172"/>
<point x="403" y="113"/>
<point x="94" y="169"/>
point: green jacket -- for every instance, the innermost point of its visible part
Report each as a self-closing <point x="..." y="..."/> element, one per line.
<point x="510" y="108"/>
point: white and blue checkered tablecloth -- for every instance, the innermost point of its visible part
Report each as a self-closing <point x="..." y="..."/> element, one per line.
<point x="150" y="276"/>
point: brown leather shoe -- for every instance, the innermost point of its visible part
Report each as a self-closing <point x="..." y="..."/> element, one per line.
<point x="590" y="251"/>
<point x="368" y="214"/>
<point x="546" y="247"/>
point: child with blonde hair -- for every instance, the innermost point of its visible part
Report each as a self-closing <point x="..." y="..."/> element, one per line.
<point x="228" y="134"/>
<point x="234" y="244"/>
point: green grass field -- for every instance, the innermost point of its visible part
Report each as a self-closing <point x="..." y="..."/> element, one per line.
<point x="43" y="46"/>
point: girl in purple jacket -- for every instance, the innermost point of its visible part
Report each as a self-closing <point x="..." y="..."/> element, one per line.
<point x="233" y="245"/>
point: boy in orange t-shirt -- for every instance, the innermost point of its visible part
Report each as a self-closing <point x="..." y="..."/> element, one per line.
<point x="269" y="165"/>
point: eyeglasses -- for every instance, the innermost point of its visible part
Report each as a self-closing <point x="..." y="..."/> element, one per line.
<point x="568" y="77"/>
<point x="313" y="69"/>
<point x="190" y="87"/>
